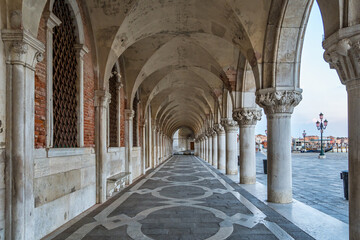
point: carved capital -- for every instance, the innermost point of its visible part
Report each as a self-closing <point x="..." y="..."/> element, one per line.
<point x="102" y="98"/>
<point x="230" y="125"/>
<point x="22" y="48"/>
<point x="81" y="50"/>
<point x="342" y="52"/>
<point x="211" y="132"/>
<point x="129" y="114"/>
<point x="247" y="116"/>
<point x="278" y="101"/>
<point x="219" y="129"/>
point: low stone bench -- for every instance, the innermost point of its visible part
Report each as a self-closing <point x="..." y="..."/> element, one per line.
<point x="115" y="183"/>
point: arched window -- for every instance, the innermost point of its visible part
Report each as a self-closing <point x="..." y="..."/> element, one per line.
<point x="135" y="121"/>
<point x="65" y="103"/>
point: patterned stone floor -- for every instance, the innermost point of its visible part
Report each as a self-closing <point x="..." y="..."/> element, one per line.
<point x="185" y="198"/>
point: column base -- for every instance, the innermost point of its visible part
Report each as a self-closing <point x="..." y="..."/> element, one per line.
<point x="231" y="172"/>
<point x="247" y="180"/>
<point x="221" y="167"/>
<point x="280" y="197"/>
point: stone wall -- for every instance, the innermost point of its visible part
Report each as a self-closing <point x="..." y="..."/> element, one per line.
<point x="136" y="162"/>
<point x="115" y="161"/>
<point x="2" y="192"/>
<point x="64" y="187"/>
<point x="2" y="135"/>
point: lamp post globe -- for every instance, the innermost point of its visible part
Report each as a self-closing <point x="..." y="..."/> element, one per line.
<point x="321" y="125"/>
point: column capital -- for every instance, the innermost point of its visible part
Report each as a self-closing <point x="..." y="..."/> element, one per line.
<point x="102" y="98"/>
<point x="219" y="129"/>
<point x="247" y="116"/>
<point x="81" y="50"/>
<point x="21" y="47"/>
<point x="212" y="132"/>
<point x="278" y="100"/>
<point x="342" y="52"/>
<point x="52" y="20"/>
<point x="129" y="114"/>
<point x="230" y="125"/>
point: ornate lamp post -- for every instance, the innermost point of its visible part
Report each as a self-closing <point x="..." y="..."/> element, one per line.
<point x="304" y="135"/>
<point x="321" y="126"/>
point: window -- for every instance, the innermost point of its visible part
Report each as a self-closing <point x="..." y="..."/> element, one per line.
<point x="65" y="100"/>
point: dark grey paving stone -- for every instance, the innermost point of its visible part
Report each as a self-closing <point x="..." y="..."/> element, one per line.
<point x="169" y="218"/>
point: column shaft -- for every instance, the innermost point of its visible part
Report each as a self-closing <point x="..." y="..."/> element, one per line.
<point x="354" y="160"/>
<point x="247" y="155"/>
<point x="214" y="150"/>
<point x="231" y="129"/>
<point x="221" y="150"/>
<point x="279" y="158"/>
<point x="129" y="114"/>
<point x="209" y="160"/>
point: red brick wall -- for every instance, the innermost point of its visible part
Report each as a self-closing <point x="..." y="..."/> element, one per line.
<point x="89" y="88"/>
<point x="40" y="92"/>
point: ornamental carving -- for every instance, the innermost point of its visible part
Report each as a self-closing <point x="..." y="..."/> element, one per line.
<point x="278" y="101"/>
<point x="219" y="128"/>
<point x="344" y="57"/>
<point x="229" y="124"/>
<point x="211" y="132"/>
<point x="247" y="116"/>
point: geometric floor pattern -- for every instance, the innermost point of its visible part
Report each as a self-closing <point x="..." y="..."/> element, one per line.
<point x="184" y="198"/>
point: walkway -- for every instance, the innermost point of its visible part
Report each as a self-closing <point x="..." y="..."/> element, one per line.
<point x="316" y="182"/>
<point x="184" y="198"/>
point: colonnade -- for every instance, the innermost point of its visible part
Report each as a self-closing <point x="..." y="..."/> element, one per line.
<point x="218" y="144"/>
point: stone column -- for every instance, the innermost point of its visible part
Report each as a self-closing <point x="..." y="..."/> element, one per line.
<point x="247" y="118"/>
<point x="206" y="149"/>
<point x="52" y="21"/>
<point x="129" y="114"/>
<point x="154" y="151"/>
<point x="231" y="129"/>
<point x="102" y="99"/>
<point x="221" y="146"/>
<point x="278" y="106"/>
<point x="343" y="54"/>
<point x="209" y="160"/>
<point x="158" y="154"/>
<point x="143" y="147"/>
<point x="214" y="149"/>
<point x="81" y="50"/>
<point x="23" y="51"/>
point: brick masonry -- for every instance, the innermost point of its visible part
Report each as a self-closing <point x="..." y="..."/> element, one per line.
<point x="40" y="92"/>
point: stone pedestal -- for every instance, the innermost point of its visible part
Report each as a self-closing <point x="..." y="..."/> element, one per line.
<point x="231" y="129"/>
<point x="247" y="118"/>
<point x="278" y="106"/>
<point x="343" y="54"/>
<point x="221" y="141"/>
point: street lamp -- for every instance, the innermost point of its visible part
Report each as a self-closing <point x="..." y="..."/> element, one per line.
<point x="320" y="125"/>
<point x="304" y="135"/>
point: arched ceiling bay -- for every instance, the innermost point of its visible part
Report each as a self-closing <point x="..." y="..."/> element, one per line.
<point x="119" y="25"/>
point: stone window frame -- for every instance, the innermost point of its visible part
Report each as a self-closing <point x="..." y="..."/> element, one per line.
<point x="51" y="22"/>
<point x="119" y="85"/>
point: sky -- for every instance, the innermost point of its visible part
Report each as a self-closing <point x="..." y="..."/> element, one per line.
<point x="322" y="89"/>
